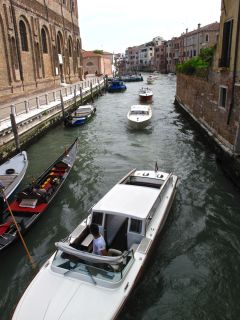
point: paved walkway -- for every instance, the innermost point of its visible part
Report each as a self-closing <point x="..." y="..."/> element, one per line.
<point x="38" y="103"/>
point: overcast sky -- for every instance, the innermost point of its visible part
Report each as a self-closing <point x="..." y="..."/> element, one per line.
<point x="115" y="25"/>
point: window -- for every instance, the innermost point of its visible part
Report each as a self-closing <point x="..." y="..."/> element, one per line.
<point x="226" y="44"/>
<point x="23" y="35"/>
<point x="70" y="47"/>
<point x="89" y="63"/>
<point x="59" y="47"/>
<point x="135" y="226"/>
<point x="222" y="96"/>
<point x="44" y="41"/>
<point x="206" y="38"/>
<point x="97" y="218"/>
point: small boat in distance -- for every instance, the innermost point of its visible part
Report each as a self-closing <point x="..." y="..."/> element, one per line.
<point x="32" y="201"/>
<point x="130" y="217"/>
<point x="132" y="78"/>
<point x="116" y="86"/>
<point x="80" y="116"/>
<point x="145" y="94"/>
<point x="12" y="172"/>
<point x="139" y="116"/>
<point x="150" y="79"/>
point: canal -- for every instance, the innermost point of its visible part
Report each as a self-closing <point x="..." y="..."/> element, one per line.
<point x="195" y="270"/>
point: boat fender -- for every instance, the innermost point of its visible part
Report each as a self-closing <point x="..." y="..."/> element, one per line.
<point x="10" y="171"/>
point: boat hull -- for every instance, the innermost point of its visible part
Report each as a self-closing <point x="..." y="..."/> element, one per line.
<point x="138" y="125"/>
<point x="145" y="98"/>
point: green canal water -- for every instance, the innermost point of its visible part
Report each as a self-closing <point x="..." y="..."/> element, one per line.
<point x="194" y="272"/>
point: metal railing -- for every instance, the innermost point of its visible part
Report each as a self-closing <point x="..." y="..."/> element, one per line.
<point x="48" y="98"/>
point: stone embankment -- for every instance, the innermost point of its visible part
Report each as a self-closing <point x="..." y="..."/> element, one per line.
<point x="198" y="98"/>
<point x="25" y="121"/>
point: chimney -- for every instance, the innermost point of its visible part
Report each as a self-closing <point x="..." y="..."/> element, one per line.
<point x="187" y="30"/>
<point x="199" y="25"/>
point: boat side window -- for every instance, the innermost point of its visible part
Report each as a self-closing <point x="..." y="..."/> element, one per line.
<point x="97" y="218"/>
<point x="135" y="226"/>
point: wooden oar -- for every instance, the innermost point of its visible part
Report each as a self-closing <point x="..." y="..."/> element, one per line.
<point x="18" y="230"/>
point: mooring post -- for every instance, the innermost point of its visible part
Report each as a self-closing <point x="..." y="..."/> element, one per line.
<point x="106" y="83"/>
<point x="15" y="131"/>
<point x="91" y="91"/>
<point x="62" y="104"/>
<point x="75" y="96"/>
<point x="81" y="95"/>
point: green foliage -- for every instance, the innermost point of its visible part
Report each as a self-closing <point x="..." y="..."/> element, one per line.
<point x="198" y="65"/>
<point x="98" y="51"/>
<point x="206" y="54"/>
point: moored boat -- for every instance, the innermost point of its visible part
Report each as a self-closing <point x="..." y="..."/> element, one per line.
<point x="80" y="116"/>
<point x="116" y="86"/>
<point x="32" y="201"/>
<point x="139" y="116"/>
<point x="130" y="217"/>
<point x="145" y="94"/>
<point x="12" y="172"/>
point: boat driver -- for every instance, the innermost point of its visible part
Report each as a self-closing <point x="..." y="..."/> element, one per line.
<point x="99" y="244"/>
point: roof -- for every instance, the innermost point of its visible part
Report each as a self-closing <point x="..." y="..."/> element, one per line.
<point x="130" y="200"/>
<point x="139" y="107"/>
<point x="210" y="27"/>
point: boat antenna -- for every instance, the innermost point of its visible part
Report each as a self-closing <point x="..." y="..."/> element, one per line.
<point x="156" y="166"/>
<point x="17" y="227"/>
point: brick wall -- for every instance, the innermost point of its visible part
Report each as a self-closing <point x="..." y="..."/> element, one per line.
<point x="201" y="98"/>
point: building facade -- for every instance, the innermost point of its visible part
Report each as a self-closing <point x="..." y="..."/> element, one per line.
<point x="97" y="63"/>
<point x="215" y="101"/>
<point x="40" y="45"/>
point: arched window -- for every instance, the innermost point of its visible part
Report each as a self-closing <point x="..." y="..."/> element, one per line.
<point x="70" y="47"/>
<point x="59" y="47"/>
<point x="23" y="35"/>
<point x="44" y="41"/>
<point x="89" y="63"/>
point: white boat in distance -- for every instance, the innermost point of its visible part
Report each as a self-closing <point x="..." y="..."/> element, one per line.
<point x="77" y="284"/>
<point x="145" y="94"/>
<point x="150" y="79"/>
<point x="12" y="172"/>
<point x="139" y="116"/>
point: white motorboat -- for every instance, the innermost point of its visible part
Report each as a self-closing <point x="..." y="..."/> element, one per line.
<point x="145" y="95"/>
<point x="80" y="116"/>
<point x="139" y="116"/>
<point x="12" y="172"/>
<point x="77" y="284"/>
<point x="150" y="79"/>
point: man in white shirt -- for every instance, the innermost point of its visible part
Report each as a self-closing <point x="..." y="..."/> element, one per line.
<point x="99" y="244"/>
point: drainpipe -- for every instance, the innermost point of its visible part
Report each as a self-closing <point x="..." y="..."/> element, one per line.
<point x="17" y="41"/>
<point x="234" y="66"/>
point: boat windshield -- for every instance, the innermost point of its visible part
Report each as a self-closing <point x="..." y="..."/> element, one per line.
<point x="137" y="112"/>
<point x="103" y="271"/>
